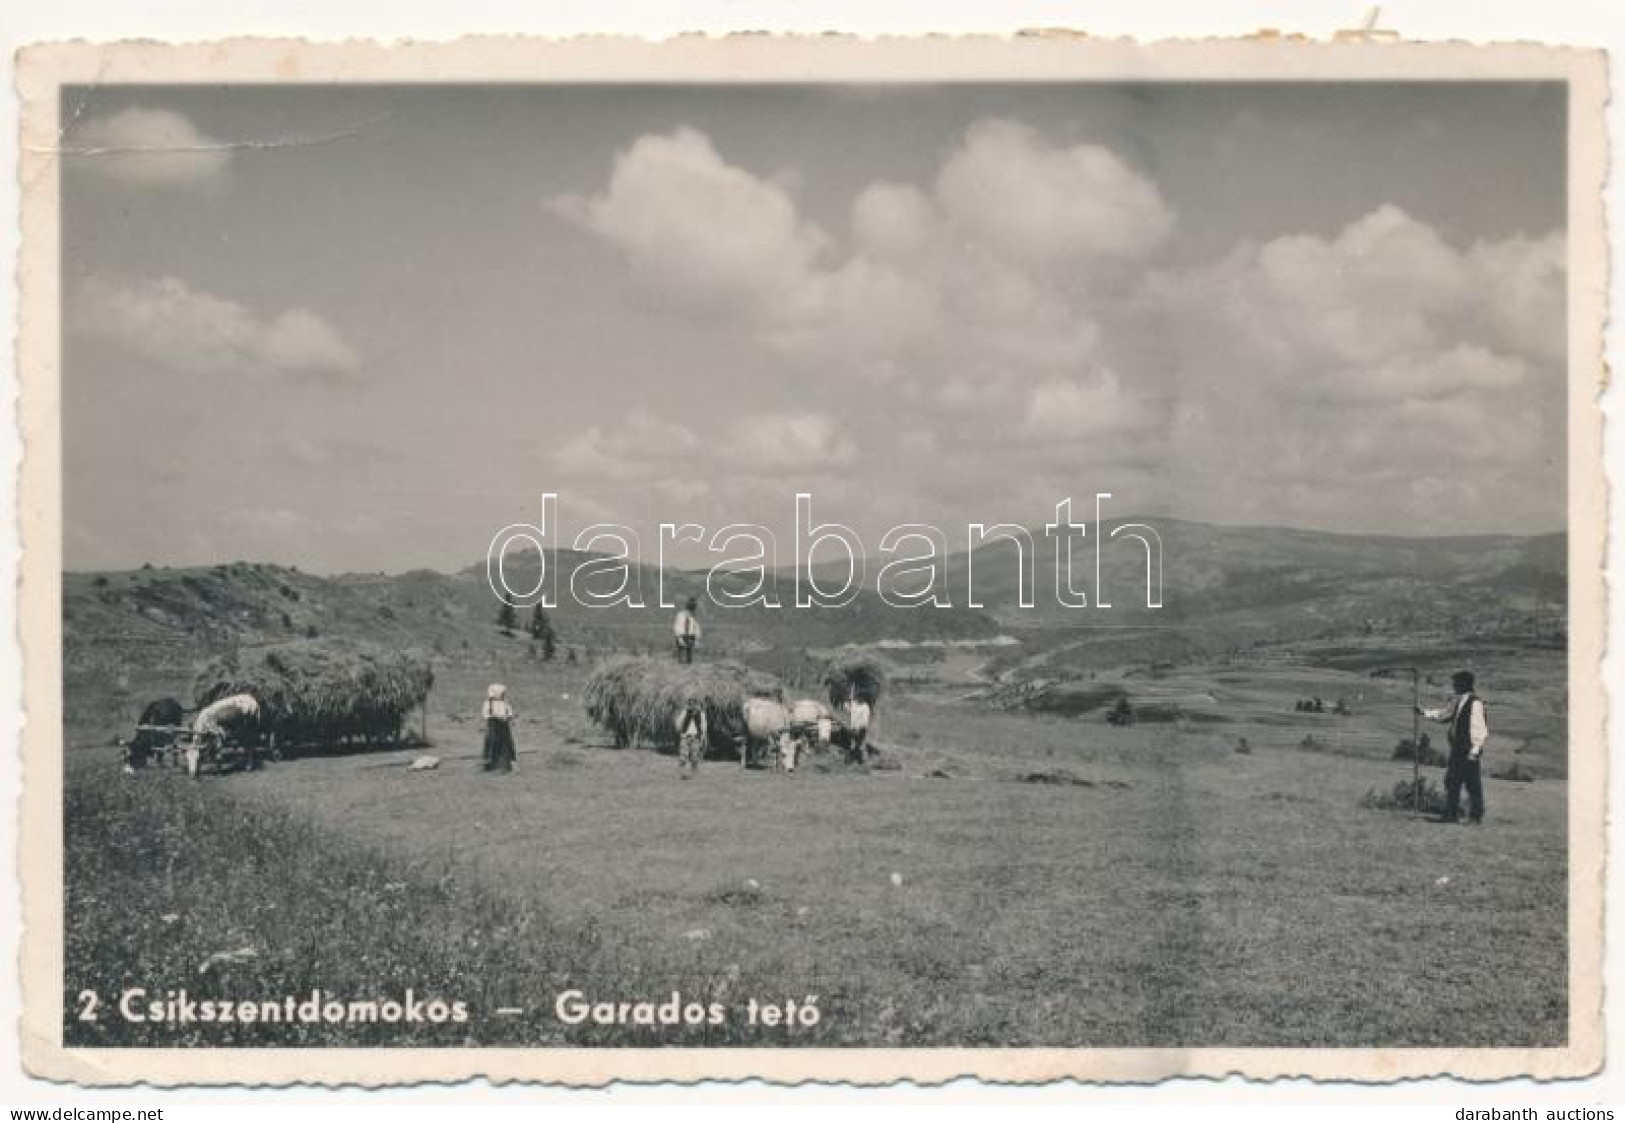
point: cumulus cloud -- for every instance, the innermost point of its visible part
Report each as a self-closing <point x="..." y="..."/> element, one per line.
<point x="645" y="447"/>
<point x="789" y="442"/>
<point x="276" y="520"/>
<point x="1522" y="289"/>
<point x="1431" y="375"/>
<point x="1385" y="288"/>
<point x="961" y="276"/>
<point x="641" y="447"/>
<point x="1365" y="364"/>
<point x="1034" y="203"/>
<point x="147" y="148"/>
<point x="1080" y="407"/>
<point x="1015" y="304"/>
<point x="698" y="228"/>
<point x="649" y="469"/>
<point x="168" y="321"/>
<point x="895" y="222"/>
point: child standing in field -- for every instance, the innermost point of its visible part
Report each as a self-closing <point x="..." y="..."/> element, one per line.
<point x="857" y="727"/>
<point x="499" y="748"/>
<point x="691" y="737"/>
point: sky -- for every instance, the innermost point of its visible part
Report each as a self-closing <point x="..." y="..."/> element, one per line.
<point x="362" y="328"/>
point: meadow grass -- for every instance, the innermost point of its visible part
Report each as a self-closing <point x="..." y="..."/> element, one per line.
<point x="162" y="874"/>
<point x="1150" y="887"/>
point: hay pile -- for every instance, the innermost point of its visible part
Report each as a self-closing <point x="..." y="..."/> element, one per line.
<point x="861" y="676"/>
<point x="322" y="692"/>
<point x="637" y="698"/>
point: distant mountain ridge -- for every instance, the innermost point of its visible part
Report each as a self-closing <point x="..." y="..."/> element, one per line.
<point x="1209" y="569"/>
<point x="1250" y="581"/>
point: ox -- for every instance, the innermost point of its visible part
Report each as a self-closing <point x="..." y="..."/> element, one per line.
<point x="217" y="722"/>
<point x="154" y="733"/>
<point x="767" y="729"/>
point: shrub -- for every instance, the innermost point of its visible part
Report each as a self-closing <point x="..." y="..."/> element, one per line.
<point x="1058" y="776"/>
<point x="1431" y="756"/>
<point x="1514" y="772"/>
<point x="1403" y="798"/>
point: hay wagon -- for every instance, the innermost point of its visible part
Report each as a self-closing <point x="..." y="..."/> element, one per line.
<point x="322" y="695"/>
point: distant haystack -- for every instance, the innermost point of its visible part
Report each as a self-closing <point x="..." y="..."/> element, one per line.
<point x="322" y="692"/>
<point x="637" y="699"/>
<point x="859" y="676"/>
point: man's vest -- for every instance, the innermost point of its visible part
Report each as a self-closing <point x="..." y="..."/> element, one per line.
<point x="1461" y="726"/>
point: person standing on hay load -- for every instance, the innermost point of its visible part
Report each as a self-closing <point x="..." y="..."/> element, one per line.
<point x="691" y="737"/>
<point x="1467" y="734"/>
<point x="499" y="750"/>
<point x="686" y="630"/>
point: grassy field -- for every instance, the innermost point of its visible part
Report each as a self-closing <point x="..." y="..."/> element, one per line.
<point x="1020" y="879"/>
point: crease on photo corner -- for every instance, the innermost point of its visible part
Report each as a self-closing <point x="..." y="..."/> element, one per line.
<point x="44" y="1057"/>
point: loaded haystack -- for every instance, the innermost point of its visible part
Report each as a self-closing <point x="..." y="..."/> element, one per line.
<point x="854" y="676"/>
<point x="637" y="698"/>
<point x="321" y="692"/>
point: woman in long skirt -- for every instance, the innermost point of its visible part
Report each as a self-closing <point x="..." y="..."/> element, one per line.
<point x="499" y="750"/>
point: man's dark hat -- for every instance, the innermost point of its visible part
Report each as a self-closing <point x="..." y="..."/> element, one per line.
<point x="1462" y="680"/>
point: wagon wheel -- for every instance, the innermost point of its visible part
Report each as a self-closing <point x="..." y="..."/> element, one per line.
<point x="168" y="750"/>
<point x="234" y="756"/>
<point x="210" y="752"/>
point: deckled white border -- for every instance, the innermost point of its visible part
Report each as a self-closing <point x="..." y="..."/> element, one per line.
<point x="748" y="59"/>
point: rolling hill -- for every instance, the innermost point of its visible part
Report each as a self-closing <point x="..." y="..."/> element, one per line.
<point x="1223" y="587"/>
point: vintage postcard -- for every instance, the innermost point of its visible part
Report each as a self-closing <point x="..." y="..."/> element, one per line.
<point x="812" y="560"/>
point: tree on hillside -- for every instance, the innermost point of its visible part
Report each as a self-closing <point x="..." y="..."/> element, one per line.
<point x="1122" y="713"/>
<point x="507" y="618"/>
<point x="541" y="630"/>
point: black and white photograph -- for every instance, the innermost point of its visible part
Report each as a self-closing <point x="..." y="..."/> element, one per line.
<point x="852" y="564"/>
